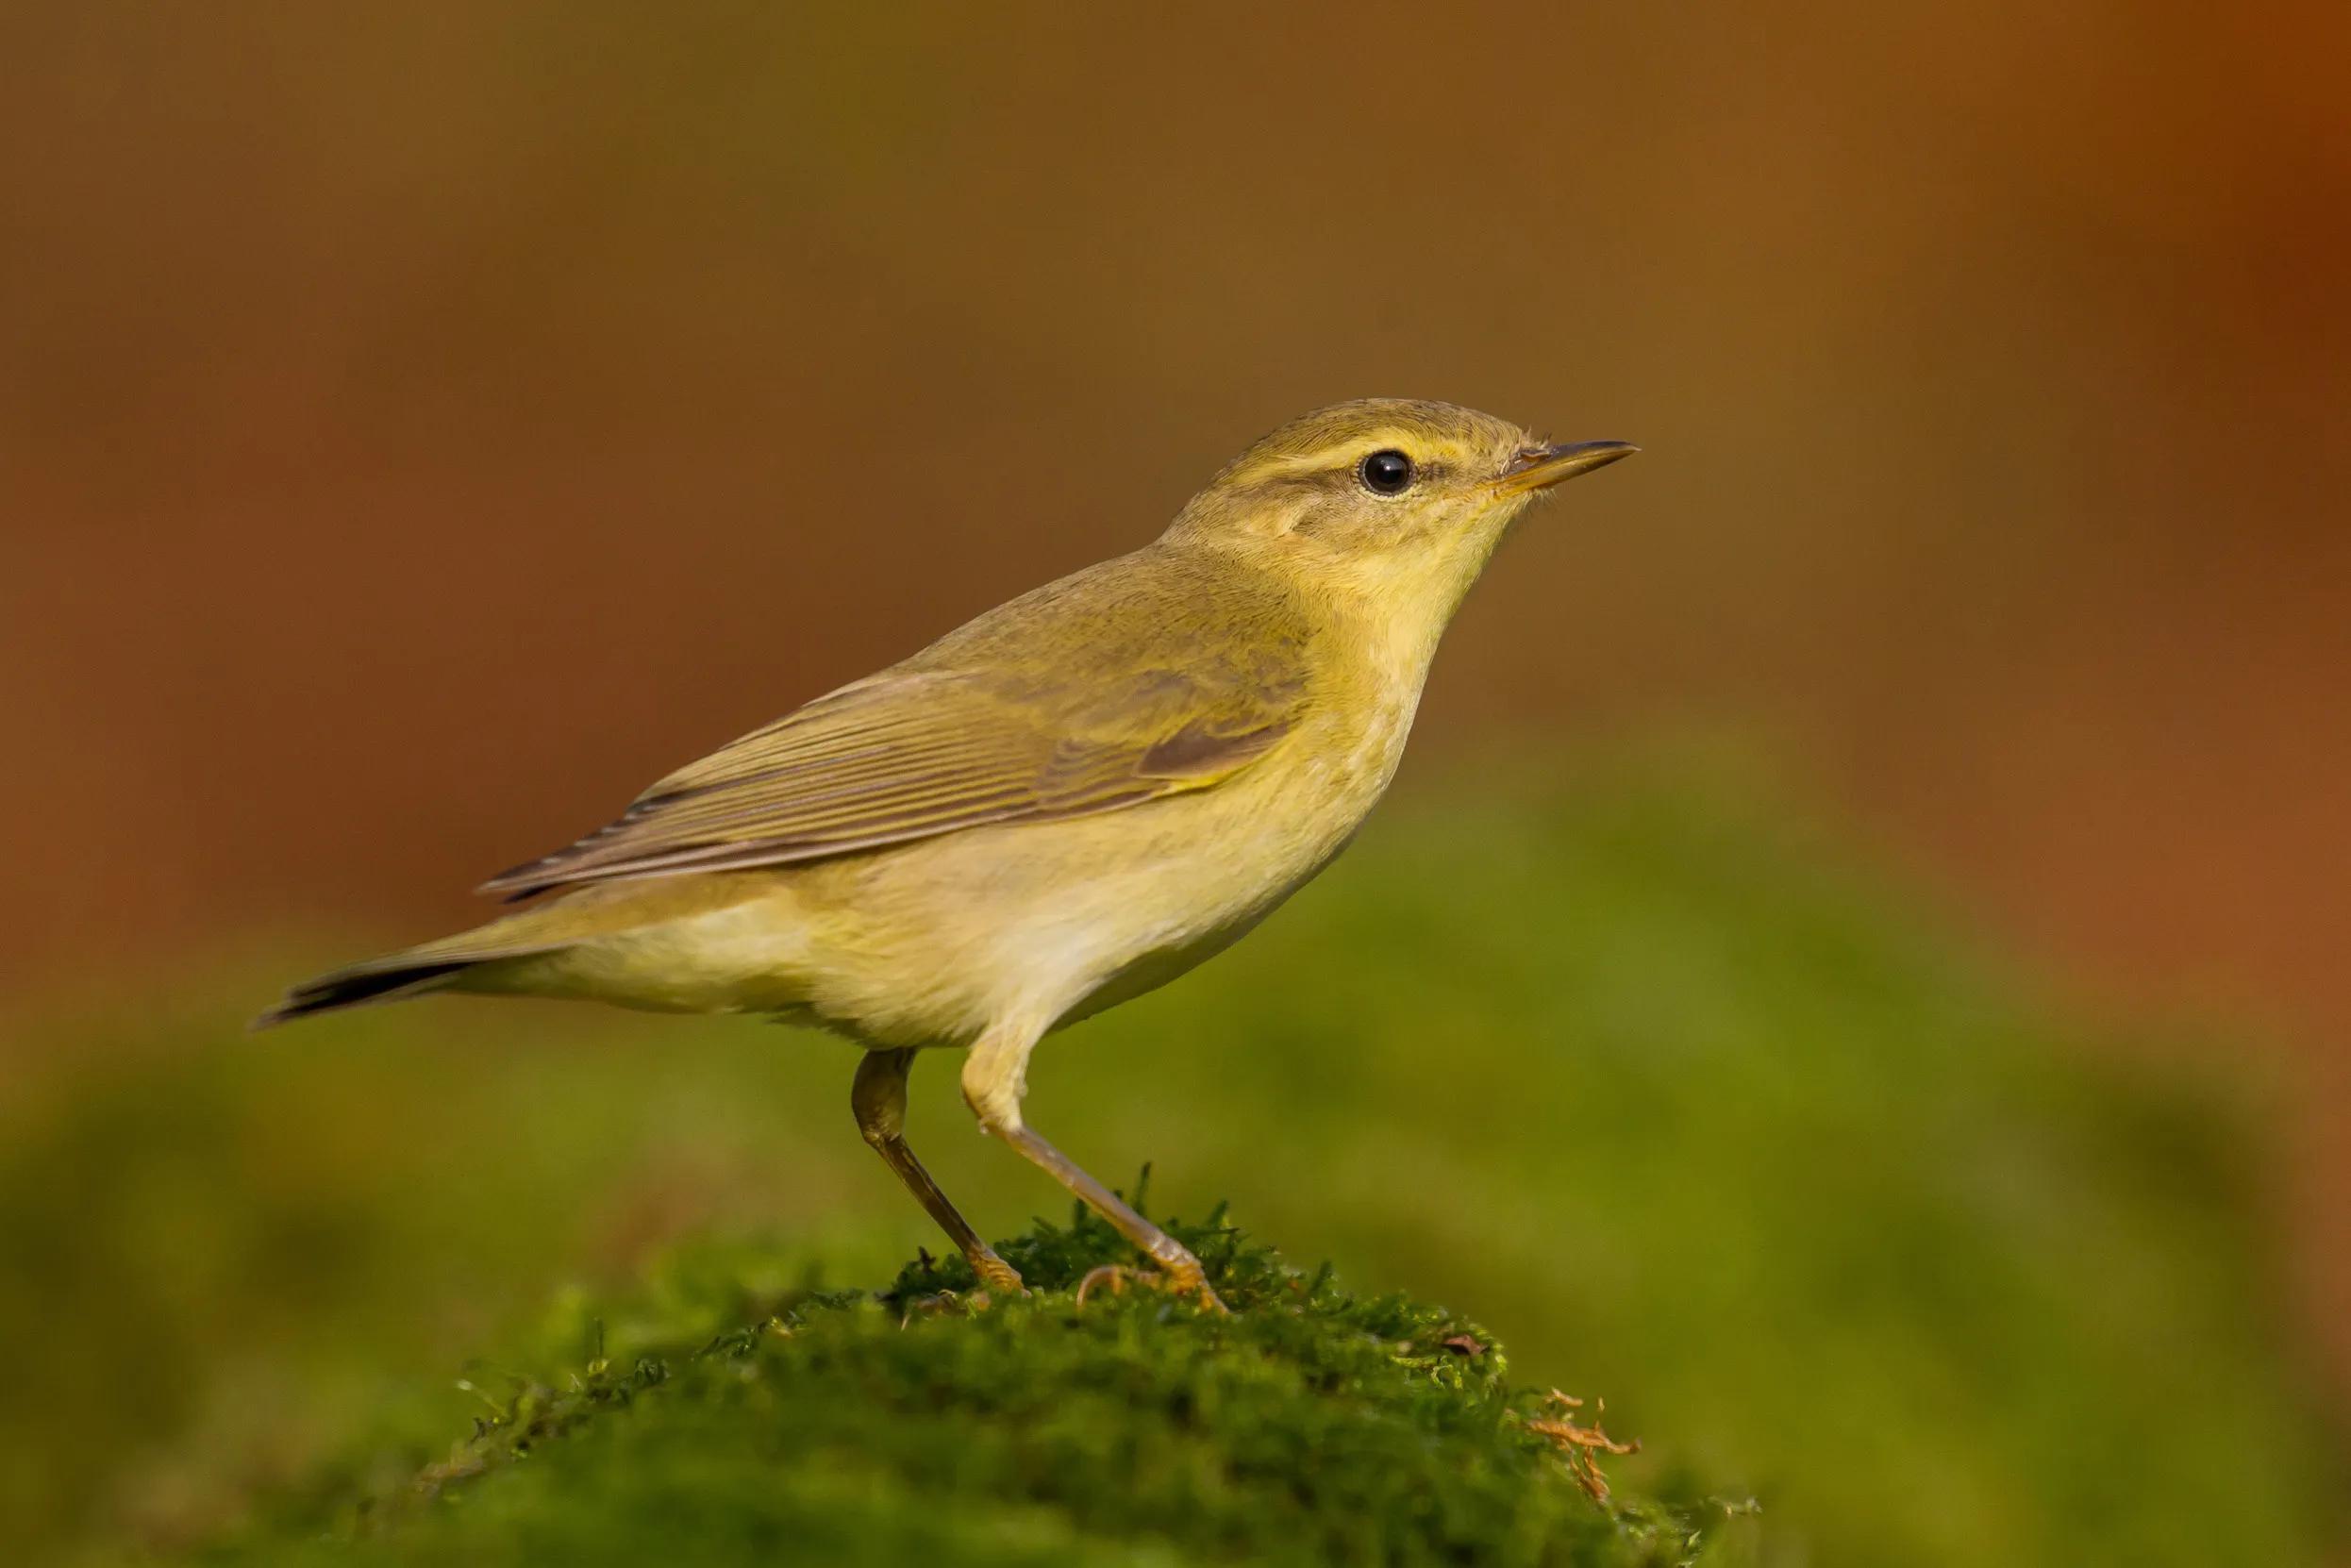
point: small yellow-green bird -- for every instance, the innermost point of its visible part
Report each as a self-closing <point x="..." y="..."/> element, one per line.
<point x="1072" y="799"/>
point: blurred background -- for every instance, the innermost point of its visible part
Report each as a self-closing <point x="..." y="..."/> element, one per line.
<point x="422" y="427"/>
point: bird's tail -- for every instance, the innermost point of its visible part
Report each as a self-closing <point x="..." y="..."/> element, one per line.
<point x="397" y="976"/>
<point x="528" y="952"/>
<point x="382" y="980"/>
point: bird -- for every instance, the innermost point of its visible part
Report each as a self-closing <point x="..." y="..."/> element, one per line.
<point x="1067" y="802"/>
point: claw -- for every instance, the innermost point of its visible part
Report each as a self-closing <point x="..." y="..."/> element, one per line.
<point x="1113" y="1278"/>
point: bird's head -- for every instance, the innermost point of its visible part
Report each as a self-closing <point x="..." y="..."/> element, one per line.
<point x="1392" y="501"/>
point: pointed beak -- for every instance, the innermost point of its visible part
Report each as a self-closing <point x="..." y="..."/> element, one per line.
<point x="1541" y="467"/>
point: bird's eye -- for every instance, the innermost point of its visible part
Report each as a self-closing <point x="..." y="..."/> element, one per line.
<point x="1386" y="472"/>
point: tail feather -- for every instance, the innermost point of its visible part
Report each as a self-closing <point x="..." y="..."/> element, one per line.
<point x="584" y="917"/>
<point x="415" y="972"/>
<point x="386" y="981"/>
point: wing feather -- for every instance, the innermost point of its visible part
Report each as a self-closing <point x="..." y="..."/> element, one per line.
<point x="919" y="751"/>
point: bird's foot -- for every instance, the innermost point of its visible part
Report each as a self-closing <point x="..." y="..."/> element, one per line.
<point x="996" y="1275"/>
<point x="1190" y="1282"/>
<point x="954" y="1303"/>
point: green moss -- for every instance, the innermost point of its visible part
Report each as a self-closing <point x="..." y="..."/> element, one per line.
<point x="923" y="1424"/>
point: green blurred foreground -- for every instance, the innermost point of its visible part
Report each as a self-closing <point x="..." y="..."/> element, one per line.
<point x="926" y="1425"/>
<point x="1624" y="1071"/>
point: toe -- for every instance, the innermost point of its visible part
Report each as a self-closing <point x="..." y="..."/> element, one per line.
<point x="1110" y="1276"/>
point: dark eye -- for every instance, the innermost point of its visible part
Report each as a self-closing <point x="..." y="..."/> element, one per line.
<point x="1386" y="472"/>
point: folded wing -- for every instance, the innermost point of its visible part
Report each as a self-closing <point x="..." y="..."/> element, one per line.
<point x="914" y="753"/>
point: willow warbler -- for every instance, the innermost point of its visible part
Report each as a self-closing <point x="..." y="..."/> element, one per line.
<point x="1071" y="800"/>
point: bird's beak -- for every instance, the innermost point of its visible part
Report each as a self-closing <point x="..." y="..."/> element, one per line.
<point x="1541" y="467"/>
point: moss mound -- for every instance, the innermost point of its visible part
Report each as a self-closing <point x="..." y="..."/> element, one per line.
<point x="928" y="1424"/>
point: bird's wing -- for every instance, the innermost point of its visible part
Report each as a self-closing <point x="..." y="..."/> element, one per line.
<point x="917" y="751"/>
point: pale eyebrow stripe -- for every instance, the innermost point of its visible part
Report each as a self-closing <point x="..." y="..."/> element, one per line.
<point x="1333" y="456"/>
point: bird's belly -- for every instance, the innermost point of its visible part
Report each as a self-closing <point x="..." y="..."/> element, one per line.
<point x="1154" y="967"/>
<point x="1050" y="922"/>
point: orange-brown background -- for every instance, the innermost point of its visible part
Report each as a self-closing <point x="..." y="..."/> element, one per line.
<point x="418" y="429"/>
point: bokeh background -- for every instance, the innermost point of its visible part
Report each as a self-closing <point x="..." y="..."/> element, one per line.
<point x="420" y="427"/>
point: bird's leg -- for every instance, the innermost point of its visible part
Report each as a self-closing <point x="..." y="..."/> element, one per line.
<point x="878" y="1097"/>
<point x="992" y="1083"/>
